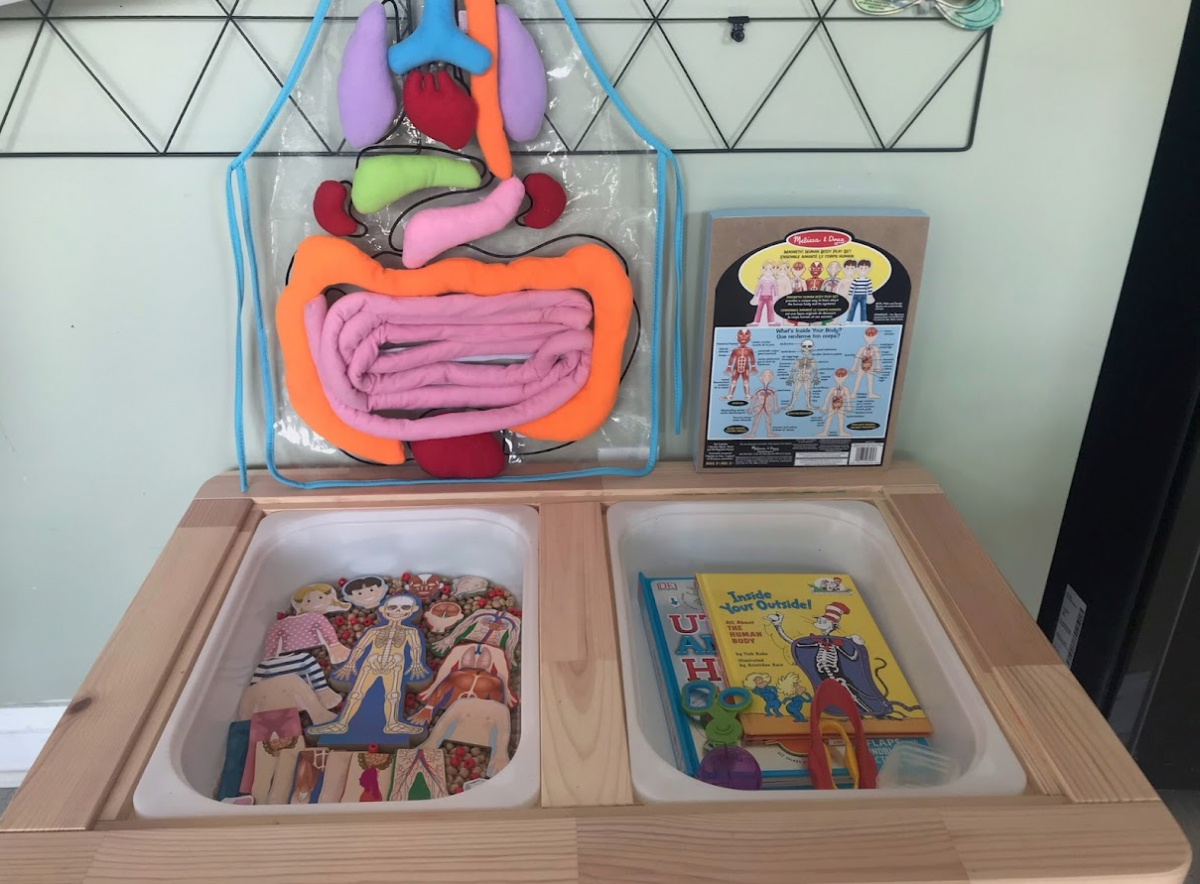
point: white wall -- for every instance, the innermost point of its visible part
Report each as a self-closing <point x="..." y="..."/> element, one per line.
<point x="115" y="348"/>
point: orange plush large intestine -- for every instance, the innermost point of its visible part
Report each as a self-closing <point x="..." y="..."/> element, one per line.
<point x="322" y="262"/>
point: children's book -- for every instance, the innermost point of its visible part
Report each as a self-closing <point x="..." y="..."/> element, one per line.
<point x="781" y="635"/>
<point x="808" y="316"/>
<point x="684" y="649"/>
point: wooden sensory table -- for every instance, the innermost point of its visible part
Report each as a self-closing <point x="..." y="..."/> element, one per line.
<point x="1088" y="813"/>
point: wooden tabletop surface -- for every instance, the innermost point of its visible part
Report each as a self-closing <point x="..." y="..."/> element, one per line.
<point x="1087" y="814"/>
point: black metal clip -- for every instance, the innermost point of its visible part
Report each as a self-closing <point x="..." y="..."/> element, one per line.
<point x="738" y="27"/>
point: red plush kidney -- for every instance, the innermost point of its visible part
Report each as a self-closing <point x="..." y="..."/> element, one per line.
<point x="329" y="208"/>
<point x="548" y="198"/>
<point x="464" y="457"/>
<point x="440" y="108"/>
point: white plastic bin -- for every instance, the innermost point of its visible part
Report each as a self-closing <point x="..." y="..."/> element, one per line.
<point x="291" y="549"/>
<point x="678" y="539"/>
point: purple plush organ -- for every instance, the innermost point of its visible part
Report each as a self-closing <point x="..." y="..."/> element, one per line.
<point x="730" y="767"/>
<point x="522" y="78"/>
<point x="366" y="94"/>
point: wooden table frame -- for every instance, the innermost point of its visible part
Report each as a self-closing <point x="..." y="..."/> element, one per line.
<point x="1088" y="812"/>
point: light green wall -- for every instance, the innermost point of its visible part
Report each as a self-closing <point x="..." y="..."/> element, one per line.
<point x="115" y="352"/>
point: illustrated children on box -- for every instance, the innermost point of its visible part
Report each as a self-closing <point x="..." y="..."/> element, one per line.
<point x="861" y="291"/>
<point x="765" y="292"/>
<point x="868" y="362"/>
<point x="741" y="363"/>
<point x="836" y="402"/>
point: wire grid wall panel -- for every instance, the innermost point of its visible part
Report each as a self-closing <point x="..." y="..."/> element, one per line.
<point x="97" y="78"/>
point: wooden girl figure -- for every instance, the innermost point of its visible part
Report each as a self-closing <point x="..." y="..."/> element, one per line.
<point x="391" y="655"/>
<point x="867" y="362"/>
<point x="307" y="628"/>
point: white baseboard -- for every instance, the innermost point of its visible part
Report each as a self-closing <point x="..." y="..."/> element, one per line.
<point x="23" y="732"/>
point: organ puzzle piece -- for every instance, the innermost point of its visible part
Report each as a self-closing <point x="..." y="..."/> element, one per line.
<point x="442" y="615"/>
<point x="440" y="108"/>
<point x="307" y="628"/>
<point x="419" y="775"/>
<point x="322" y="262"/>
<point x="485" y="88"/>
<point x="369" y="777"/>
<point x="386" y="660"/>
<point x="430" y="232"/>
<point x="365" y="92"/>
<point x="329" y="208"/>
<point x="471" y="656"/>
<point x="381" y="180"/>
<point x="437" y="38"/>
<point x="488" y="626"/>
<point x="423" y="586"/>
<point x="547" y="201"/>
<point x="470" y="585"/>
<point x="320" y="776"/>
<point x="478" y="456"/>
<point x="477" y="722"/>
<point x="522" y="77"/>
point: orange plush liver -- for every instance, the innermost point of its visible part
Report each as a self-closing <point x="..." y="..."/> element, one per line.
<point x="322" y="262"/>
<point x="485" y="89"/>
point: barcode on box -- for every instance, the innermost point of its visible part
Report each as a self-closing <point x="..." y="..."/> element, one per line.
<point x="821" y="458"/>
<point x="866" y="454"/>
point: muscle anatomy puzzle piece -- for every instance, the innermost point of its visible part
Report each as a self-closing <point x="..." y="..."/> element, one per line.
<point x="329" y="208"/>
<point x="837" y="402"/>
<point x="430" y="232"/>
<point x="547" y="201"/>
<point x="477" y="722"/>
<point x="470" y="670"/>
<point x="741" y="364"/>
<point x="440" y="108"/>
<point x="381" y="180"/>
<point x="522" y="77"/>
<point x="867" y="363"/>
<point x="323" y="261"/>
<point x="437" y="38"/>
<point x="804" y="376"/>
<point x="365" y="92"/>
<point x="420" y="775"/>
<point x="485" y="87"/>
<point x="386" y="660"/>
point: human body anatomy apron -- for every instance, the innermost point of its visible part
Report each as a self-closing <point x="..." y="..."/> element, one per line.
<point x="414" y="291"/>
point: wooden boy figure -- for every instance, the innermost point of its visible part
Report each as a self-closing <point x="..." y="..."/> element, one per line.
<point x="391" y="655"/>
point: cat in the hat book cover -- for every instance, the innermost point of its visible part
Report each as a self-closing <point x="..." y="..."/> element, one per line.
<point x="781" y="635"/>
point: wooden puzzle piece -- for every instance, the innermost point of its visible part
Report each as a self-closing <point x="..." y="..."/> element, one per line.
<point x="442" y="615"/>
<point x="304" y="665"/>
<point x="489" y="626"/>
<point x="307" y="628"/>
<point x="309" y="781"/>
<point x="420" y="775"/>
<point x="470" y="585"/>
<point x="476" y="722"/>
<point x="365" y="592"/>
<point x="237" y="748"/>
<point x="281" y="722"/>
<point x="369" y="777"/>
<point x="285" y="773"/>
<point x="424" y="586"/>
<point x="387" y="659"/>
<point x="284" y="692"/>
<point x="267" y="757"/>
<point x="473" y="656"/>
<point x="333" y="783"/>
